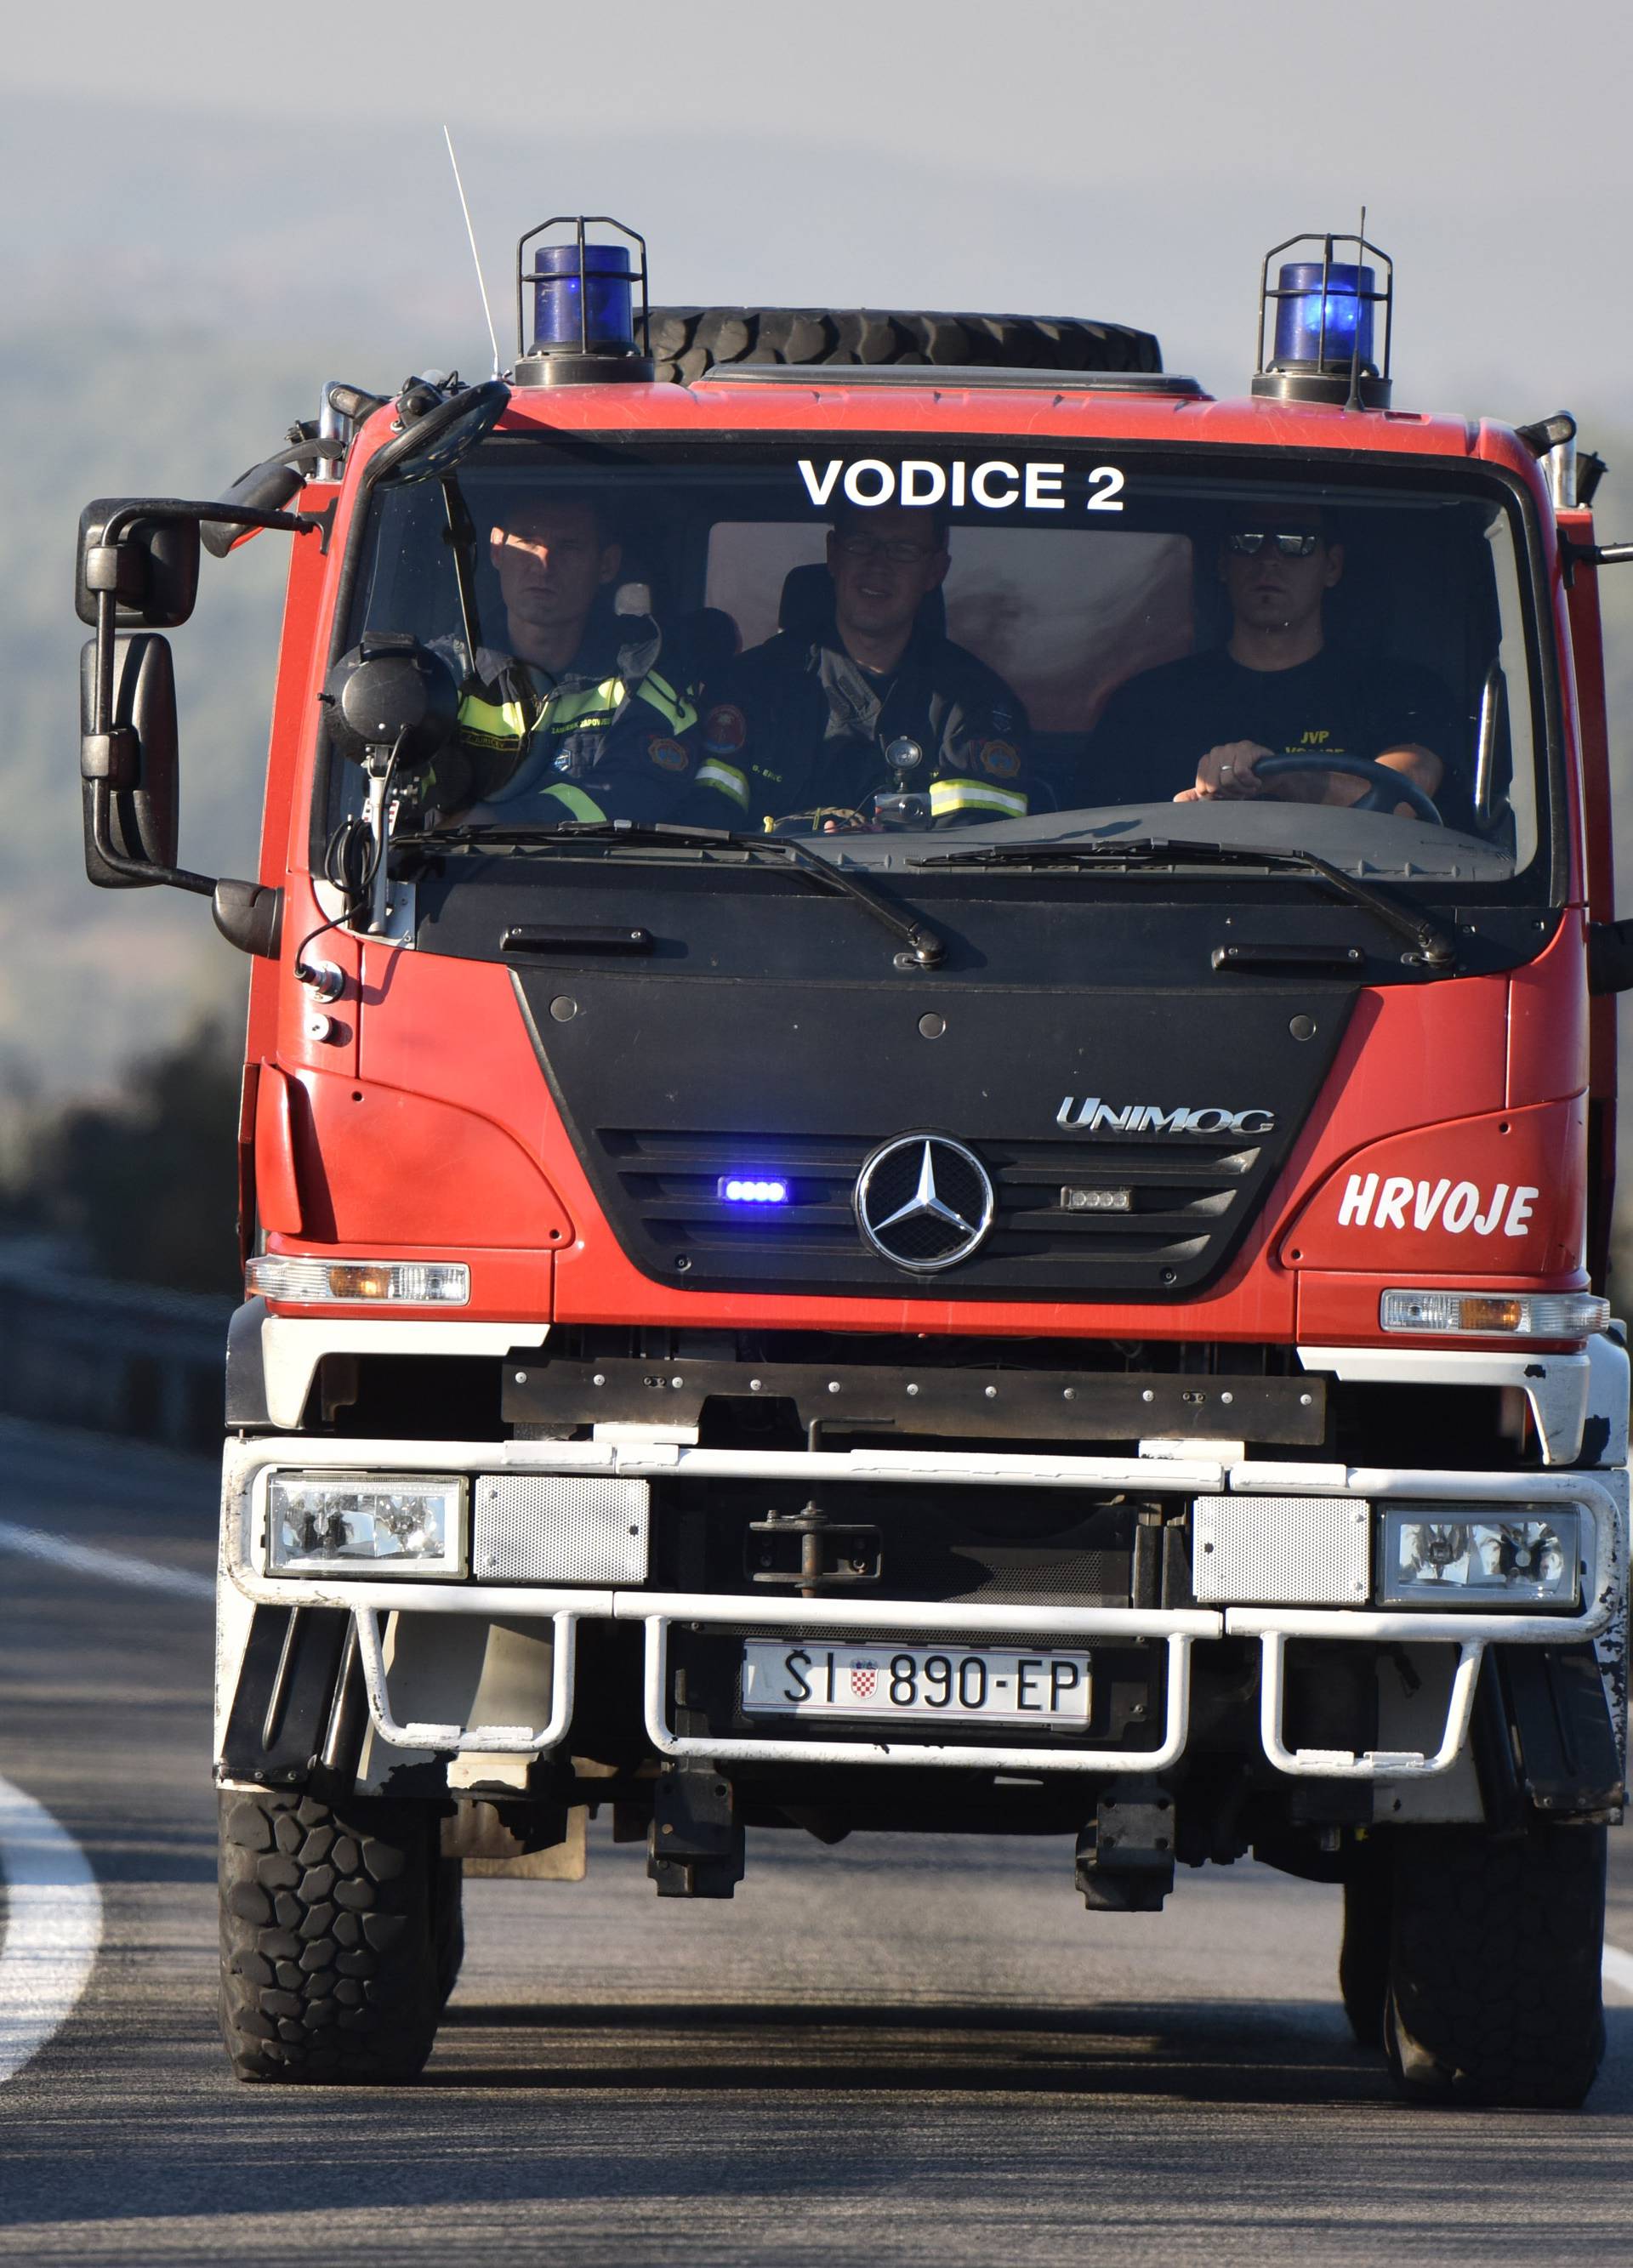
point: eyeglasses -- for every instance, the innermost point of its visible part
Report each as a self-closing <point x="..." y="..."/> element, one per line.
<point x="1290" y="542"/>
<point x="864" y="547"/>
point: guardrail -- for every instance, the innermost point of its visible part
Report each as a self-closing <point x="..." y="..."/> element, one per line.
<point x="78" y="1349"/>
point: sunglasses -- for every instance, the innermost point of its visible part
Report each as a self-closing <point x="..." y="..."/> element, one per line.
<point x="1290" y="542"/>
<point x="863" y="547"/>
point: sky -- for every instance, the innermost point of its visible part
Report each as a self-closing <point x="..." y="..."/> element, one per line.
<point x="1130" y="162"/>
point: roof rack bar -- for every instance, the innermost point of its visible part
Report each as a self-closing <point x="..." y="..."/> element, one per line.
<point x="957" y="376"/>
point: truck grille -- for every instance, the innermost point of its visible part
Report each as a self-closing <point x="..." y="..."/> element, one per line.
<point x="1187" y="1205"/>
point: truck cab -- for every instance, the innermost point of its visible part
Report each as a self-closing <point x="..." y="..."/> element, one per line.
<point x="1051" y="1282"/>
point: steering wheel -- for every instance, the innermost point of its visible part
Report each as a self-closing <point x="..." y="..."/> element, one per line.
<point x="1387" y="786"/>
<point x="826" y="818"/>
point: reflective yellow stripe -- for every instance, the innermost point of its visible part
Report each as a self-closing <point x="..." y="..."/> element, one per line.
<point x="579" y="805"/>
<point x="673" y="707"/>
<point x="728" y="778"/>
<point x="499" y="725"/>
<point x="592" y="704"/>
<point x="504" y="723"/>
<point x="975" y="795"/>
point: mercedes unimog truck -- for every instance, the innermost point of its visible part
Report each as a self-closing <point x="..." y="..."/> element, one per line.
<point x="1014" y="1290"/>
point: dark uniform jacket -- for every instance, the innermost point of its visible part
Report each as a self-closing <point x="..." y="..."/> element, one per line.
<point x="1157" y="726"/>
<point x="796" y="726"/>
<point x="610" y="737"/>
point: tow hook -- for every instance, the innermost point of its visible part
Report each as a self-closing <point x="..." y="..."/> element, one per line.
<point x="697" y="1847"/>
<point x="1125" y="1852"/>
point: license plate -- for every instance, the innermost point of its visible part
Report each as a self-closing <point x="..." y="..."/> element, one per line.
<point x="998" y="1686"/>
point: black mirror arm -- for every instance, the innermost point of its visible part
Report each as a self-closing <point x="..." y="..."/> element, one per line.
<point x="122" y="751"/>
<point x="241" y="515"/>
<point x="1573" y="554"/>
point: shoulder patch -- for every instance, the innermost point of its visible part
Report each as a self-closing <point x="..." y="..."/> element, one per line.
<point x="668" y="754"/>
<point x="1000" y="758"/>
<point x="725" y="729"/>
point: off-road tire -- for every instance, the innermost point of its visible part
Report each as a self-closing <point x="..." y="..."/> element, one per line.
<point x="329" y="1959"/>
<point x="688" y="340"/>
<point x="447" y="1927"/>
<point x="1363" y="1955"/>
<point x="1494" y="1973"/>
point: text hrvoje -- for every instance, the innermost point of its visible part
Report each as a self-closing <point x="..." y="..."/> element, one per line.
<point x="1375" y="1201"/>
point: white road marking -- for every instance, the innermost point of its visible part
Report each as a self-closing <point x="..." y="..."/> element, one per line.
<point x="1618" y="1968"/>
<point x="114" y="1566"/>
<point x="53" y="1926"/>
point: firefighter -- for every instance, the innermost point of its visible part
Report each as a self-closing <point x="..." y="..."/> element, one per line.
<point x="865" y="711"/>
<point x="575" y="720"/>
<point x="1195" y="729"/>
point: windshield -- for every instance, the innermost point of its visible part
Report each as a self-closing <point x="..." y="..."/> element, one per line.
<point x="898" y="651"/>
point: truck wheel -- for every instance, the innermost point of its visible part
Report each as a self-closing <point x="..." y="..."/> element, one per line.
<point x="448" y="1928"/>
<point x="1494" y="1974"/>
<point x="329" y="1959"/>
<point x="688" y="340"/>
<point x="1363" y="1955"/>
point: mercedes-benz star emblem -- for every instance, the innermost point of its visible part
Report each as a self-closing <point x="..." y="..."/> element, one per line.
<point x="924" y="1203"/>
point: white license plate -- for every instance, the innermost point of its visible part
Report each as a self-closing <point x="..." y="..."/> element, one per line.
<point x="998" y="1685"/>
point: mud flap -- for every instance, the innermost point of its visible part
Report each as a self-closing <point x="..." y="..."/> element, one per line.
<point x="1556" y="1707"/>
<point x="299" y="1708"/>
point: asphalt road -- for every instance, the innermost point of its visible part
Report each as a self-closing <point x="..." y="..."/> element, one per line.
<point x="890" y="2051"/>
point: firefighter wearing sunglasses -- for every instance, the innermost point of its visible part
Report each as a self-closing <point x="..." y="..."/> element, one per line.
<point x="1197" y="729"/>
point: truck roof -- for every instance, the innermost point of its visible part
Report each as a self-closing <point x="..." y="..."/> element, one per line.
<point x="1007" y="403"/>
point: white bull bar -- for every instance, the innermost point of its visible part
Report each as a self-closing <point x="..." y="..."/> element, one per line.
<point x="565" y="1605"/>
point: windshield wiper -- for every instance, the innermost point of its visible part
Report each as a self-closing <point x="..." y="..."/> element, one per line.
<point x="1153" y="853"/>
<point x="926" y="948"/>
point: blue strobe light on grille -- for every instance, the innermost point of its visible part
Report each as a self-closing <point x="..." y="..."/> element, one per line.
<point x="752" y="1188"/>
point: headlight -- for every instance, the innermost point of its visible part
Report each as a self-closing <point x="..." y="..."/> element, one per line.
<point x="360" y="1283"/>
<point x="365" y="1524"/>
<point x="1446" y="1557"/>
<point x="1495" y="1314"/>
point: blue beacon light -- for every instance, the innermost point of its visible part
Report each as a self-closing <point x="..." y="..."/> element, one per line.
<point x="582" y="296"/>
<point x="743" y="1188"/>
<point x="587" y="307"/>
<point x="1326" y="347"/>
<point x="1302" y="337"/>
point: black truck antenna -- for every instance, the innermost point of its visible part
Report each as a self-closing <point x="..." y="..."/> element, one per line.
<point x="1354" y="401"/>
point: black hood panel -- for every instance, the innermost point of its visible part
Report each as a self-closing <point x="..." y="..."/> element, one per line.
<point x="670" y="1082"/>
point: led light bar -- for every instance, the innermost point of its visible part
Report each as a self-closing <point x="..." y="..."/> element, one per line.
<point x="1078" y="1198"/>
<point x="752" y="1188"/>
<point x="1495" y="1314"/>
<point x="361" y="1283"/>
<point x="1436" y="1556"/>
<point x="365" y="1524"/>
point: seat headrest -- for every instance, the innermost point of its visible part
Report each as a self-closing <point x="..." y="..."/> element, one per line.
<point x="701" y="645"/>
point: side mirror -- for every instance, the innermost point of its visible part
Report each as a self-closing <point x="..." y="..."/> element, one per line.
<point x="431" y="445"/>
<point x="133" y="766"/>
<point x="151" y="567"/>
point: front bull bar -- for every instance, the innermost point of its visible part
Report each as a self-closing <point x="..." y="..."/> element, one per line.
<point x="1180" y="1629"/>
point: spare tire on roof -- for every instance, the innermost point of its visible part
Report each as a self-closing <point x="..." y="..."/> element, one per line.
<point x="688" y="340"/>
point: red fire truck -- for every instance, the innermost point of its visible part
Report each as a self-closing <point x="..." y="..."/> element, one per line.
<point x="927" y="1140"/>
